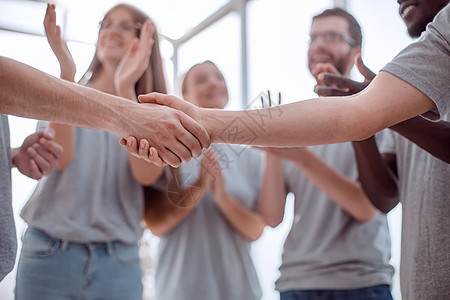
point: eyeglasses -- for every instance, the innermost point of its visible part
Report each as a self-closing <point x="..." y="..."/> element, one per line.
<point x="125" y="27"/>
<point x="332" y="38"/>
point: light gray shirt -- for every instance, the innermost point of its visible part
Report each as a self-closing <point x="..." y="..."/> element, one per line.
<point x="94" y="199"/>
<point x="204" y="257"/>
<point x="424" y="188"/>
<point x="425" y="64"/>
<point x="424" y="180"/>
<point x="326" y="247"/>
<point x="8" y="243"/>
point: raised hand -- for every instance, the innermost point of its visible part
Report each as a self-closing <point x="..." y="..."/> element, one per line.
<point x="338" y="85"/>
<point x="210" y="171"/>
<point x="58" y="45"/>
<point x="134" y="62"/>
<point x="38" y="154"/>
<point x="323" y="68"/>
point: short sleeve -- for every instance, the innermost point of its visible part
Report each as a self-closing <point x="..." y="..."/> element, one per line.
<point x="425" y="64"/>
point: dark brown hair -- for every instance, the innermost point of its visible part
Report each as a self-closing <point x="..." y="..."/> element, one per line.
<point x="353" y="25"/>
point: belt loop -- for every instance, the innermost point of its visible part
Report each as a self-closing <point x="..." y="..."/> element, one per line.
<point x="110" y="248"/>
<point x="64" y="245"/>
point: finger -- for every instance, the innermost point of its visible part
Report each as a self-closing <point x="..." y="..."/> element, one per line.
<point x="170" y="158"/>
<point x="190" y="142"/>
<point x="327" y="91"/>
<point x="144" y="147"/>
<point x="47" y="15"/>
<point x="199" y="133"/>
<point x="154" y="157"/>
<point x="123" y="143"/>
<point x="132" y="48"/>
<point x="49" y="133"/>
<point x="337" y="81"/>
<point x="324" y="68"/>
<point x="35" y="173"/>
<point x="365" y="71"/>
<point x="50" y="149"/>
<point x="132" y="146"/>
<point x="178" y="149"/>
<point x="164" y="99"/>
<point x="43" y="164"/>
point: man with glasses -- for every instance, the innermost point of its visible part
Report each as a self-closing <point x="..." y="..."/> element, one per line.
<point x="339" y="244"/>
<point x="419" y="149"/>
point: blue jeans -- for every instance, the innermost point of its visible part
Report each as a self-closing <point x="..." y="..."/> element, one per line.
<point x="379" y="292"/>
<point x="52" y="269"/>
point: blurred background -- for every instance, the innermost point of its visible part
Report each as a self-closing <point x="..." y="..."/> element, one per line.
<point x="259" y="45"/>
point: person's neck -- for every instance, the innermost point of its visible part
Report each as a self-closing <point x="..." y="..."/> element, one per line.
<point x="104" y="81"/>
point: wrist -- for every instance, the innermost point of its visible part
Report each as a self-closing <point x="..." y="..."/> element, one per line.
<point x="14" y="152"/>
<point x="126" y="91"/>
<point x="211" y="122"/>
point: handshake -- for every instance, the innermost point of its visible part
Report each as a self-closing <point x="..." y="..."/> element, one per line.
<point x="176" y="133"/>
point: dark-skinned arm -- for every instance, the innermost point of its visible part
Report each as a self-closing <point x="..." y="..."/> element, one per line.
<point x="377" y="174"/>
<point x="433" y="137"/>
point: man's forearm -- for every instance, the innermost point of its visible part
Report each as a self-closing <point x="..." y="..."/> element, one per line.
<point x="386" y="101"/>
<point x="30" y="93"/>
<point x="433" y="137"/>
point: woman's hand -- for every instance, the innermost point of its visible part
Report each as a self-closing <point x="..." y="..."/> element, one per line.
<point x="134" y="62"/>
<point x="58" y="45"/>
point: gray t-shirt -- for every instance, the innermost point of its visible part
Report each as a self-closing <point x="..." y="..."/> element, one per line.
<point x="8" y="243"/>
<point x="326" y="247"/>
<point x="94" y="199"/>
<point x="204" y="257"/>
<point x="424" y="193"/>
<point x="425" y="64"/>
<point x="424" y="180"/>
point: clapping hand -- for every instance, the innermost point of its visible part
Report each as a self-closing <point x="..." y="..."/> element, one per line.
<point x="332" y="84"/>
<point x="58" y="45"/>
<point x="38" y="154"/>
<point x="134" y="62"/>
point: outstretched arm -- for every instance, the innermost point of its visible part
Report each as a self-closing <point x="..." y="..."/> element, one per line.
<point x="176" y="136"/>
<point x="311" y="122"/>
<point x="433" y="137"/>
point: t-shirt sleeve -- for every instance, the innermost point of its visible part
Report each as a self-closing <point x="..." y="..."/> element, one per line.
<point x="425" y="64"/>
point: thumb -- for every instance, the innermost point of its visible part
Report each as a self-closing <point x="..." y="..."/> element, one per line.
<point x="167" y="100"/>
<point x="49" y="133"/>
<point x="132" y="47"/>
<point x="365" y="71"/>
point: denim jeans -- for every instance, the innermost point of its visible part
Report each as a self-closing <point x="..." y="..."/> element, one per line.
<point x="379" y="292"/>
<point x="52" y="269"/>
